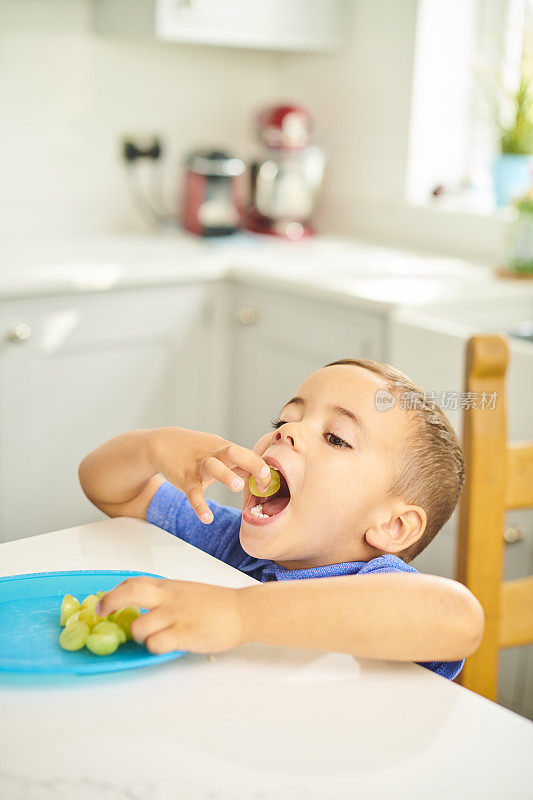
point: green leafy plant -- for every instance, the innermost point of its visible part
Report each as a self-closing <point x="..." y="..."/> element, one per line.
<point x="509" y="109"/>
<point x="517" y="136"/>
<point x="525" y="204"/>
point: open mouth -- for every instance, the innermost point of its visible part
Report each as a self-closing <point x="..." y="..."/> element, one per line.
<point x="264" y="510"/>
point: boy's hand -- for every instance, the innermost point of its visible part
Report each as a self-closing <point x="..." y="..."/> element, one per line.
<point x="182" y="615"/>
<point x="192" y="461"/>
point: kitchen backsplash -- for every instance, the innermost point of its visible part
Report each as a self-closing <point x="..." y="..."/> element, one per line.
<point x="68" y="96"/>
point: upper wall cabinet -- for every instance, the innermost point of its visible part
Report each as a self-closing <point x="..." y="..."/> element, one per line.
<point x="291" y="25"/>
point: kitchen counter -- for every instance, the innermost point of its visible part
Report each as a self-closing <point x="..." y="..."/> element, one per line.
<point x="254" y="722"/>
<point x="349" y="271"/>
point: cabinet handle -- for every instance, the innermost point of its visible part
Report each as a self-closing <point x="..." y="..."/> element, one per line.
<point x="513" y="534"/>
<point x="247" y="316"/>
<point x="19" y="332"/>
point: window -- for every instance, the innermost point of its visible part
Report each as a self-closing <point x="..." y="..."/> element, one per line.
<point x="467" y="52"/>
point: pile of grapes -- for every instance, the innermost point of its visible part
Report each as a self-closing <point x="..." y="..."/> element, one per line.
<point x="84" y="628"/>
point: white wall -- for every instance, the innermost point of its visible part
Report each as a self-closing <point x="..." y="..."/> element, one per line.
<point x="360" y="99"/>
<point x="67" y="97"/>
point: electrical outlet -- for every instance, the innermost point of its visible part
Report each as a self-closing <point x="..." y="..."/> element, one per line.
<point x="133" y="150"/>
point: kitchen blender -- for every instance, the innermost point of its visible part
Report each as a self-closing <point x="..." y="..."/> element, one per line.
<point x="286" y="177"/>
<point x="214" y="191"/>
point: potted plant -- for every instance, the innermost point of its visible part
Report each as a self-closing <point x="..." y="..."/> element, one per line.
<point x="520" y="237"/>
<point x="512" y="171"/>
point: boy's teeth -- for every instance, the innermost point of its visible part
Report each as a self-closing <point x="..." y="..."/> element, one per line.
<point x="257" y="512"/>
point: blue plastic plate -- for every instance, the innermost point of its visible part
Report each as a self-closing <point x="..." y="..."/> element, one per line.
<point x="29" y="624"/>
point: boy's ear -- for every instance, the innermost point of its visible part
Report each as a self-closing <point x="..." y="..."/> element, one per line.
<point x="401" y="530"/>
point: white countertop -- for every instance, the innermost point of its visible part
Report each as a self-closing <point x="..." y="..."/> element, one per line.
<point x="353" y="271"/>
<point x="255" y="723"/>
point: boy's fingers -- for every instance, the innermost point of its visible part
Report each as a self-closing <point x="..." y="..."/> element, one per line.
<point x="142" y="592"/>
<point x="196" y="498"/>
<point x="162" y="641"/>
<point x="148" y="624"/>
<point x="214" y="468"/>
<point x="235" y="455"/>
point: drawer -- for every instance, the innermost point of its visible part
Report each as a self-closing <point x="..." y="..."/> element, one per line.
<point x="80" y="321"/>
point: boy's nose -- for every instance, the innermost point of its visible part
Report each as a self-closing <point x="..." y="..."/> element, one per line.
<point x="283" y="434"/>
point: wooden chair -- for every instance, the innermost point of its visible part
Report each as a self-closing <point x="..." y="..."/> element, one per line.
<point x="499" y="476"/>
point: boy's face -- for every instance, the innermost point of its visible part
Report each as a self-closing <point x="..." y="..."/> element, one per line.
<point x="338" y="472"/>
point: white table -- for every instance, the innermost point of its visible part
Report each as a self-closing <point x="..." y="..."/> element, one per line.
<point x="256" y="722"/>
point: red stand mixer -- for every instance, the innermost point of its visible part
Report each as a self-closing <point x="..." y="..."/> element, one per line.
<point x="285" y="179"/>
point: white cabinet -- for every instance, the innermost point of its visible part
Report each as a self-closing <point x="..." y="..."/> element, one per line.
<point x="96" y="365"/>
<point x="306" y="25"/>
<point x="277" y="340"/>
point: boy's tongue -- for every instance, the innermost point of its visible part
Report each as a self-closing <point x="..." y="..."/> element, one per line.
<point x="273" y="505"/>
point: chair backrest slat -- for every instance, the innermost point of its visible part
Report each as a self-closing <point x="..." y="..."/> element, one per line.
<point x="519" y="479"/>
<point x="516" y="625"/>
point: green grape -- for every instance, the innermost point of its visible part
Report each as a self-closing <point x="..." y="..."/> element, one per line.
<point x="74" y="636"/>
<point x="73" y="618"/>
<point x="124" y="617"/>
<point x="83" y="626"/>
<point x="89" y="616"/>
<point x="69" y="605"/>
<point x="106" y="627"/>
<point x="90" y="601"/>
<point x="102" y="644"/>
<point x="273" y="486"/>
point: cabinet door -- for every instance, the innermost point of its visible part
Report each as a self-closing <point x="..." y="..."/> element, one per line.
<point x="278" y="340"/>
<point x="276" y="24"/>
<point x="94" y="366"/>
<point x="293" y="25"/>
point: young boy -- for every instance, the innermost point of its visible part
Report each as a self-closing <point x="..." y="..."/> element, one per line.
<point x="363" y="491"/>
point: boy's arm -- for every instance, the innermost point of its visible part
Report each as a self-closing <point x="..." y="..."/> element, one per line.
<point x="395" y="616"/>
<point x="120" y="477"/>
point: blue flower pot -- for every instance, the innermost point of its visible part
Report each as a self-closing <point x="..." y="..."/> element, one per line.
<point x="513" y="175"/>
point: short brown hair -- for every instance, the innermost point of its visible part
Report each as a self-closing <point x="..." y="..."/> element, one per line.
<point x="432" y="463"/>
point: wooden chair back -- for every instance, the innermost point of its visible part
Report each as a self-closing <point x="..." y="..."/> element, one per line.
<point x="499" y="476"/>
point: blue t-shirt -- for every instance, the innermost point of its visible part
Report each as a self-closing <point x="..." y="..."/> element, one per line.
<point x="170" y="510"/>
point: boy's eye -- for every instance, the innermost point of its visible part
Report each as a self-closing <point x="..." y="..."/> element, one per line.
<point x="331" y="438"/>
<point x="339" y="442"/>
<point x="277" y="423"/>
